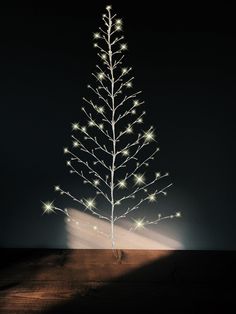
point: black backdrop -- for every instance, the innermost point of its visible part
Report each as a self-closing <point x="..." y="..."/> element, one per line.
<point x="184" y="61"/>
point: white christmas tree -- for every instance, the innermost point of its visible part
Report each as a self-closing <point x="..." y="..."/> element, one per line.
<point x="112" y="154"/>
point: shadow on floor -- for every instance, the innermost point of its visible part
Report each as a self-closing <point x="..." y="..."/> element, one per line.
<point x="183" y="282"/>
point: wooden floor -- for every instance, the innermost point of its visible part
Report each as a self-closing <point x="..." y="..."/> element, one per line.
<point x="73" y="281"/>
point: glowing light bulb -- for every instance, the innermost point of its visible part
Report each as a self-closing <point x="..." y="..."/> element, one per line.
<point x="101" y="76"/>
<point x="123" y="47"/>
<point x="91" y="123"/>
<point x="108" y="7"/>
<point x="152" y="197"/>
<point x="103" y="56"/>
<point x="136" y="103"/>
<point x="158" y="174"/>
<point x="133" y="111"/>
<point x="100" y="109"/>
<point x="48" y="207"/>
<point x="66" y="150"/>
<point x="129" y="130"/>
<point x="96" y="182"/>
<point x="139" y="223"/>
<point x="149" y="136"/>
<point x="90" y="203"/>
<point x="129" y="84"/>
<point x="96" y="35"/>
<point x="75" y="126"/>
<point x="95" y="227"/>
<point x="75" y="143"/>
<point x="118" y="21"/>
<point x="118" y="28"/>
<point x="178" y="214"/>
<point x="139" y="179"/>
<point x="122" y="184"/>
<point x="84" y="129"/>
<point x="124" y="70"/>
<point x="101" y="126"/>
<point x="95" y="45"/>
<point x="57" y="188"/>
<point x="125" y="152"/>
<point x="140" y="120"/>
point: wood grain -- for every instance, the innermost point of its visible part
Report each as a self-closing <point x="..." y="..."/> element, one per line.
<point x="66" y="281"/>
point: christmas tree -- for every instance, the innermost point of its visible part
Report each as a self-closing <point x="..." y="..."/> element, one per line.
<point x="109" y="153"/>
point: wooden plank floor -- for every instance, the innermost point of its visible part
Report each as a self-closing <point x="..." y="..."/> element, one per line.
<point x="72" y="281"/>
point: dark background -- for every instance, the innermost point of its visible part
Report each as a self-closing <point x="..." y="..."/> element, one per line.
<point x="184" y="61"/>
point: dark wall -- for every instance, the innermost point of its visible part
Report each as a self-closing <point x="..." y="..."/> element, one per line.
<point x="184" y="61"/>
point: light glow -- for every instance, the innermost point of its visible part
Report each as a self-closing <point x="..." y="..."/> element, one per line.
<point x="139" y="179"/>
<point x="123" y="47"/>
<point x="75" y="126"/>
<point x="139" y="223"/>
<point x="152" y="197"/>
<point x="90" y="203"/>
<point x="122" y="184"/>
<point x="101" y="76"/>
<point x="149" y="136"/>
<point x="48" y="207"/>
<point x="96" y="35"/>
<point x="125" y="152"/>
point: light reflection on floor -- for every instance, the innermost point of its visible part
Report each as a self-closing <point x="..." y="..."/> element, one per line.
<point x="90" y="233"/>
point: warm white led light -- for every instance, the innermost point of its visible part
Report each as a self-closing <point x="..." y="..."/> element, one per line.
<point x="48" y="207"/>
<point x="139" y="179"/>
<point x="122" y="184"/>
